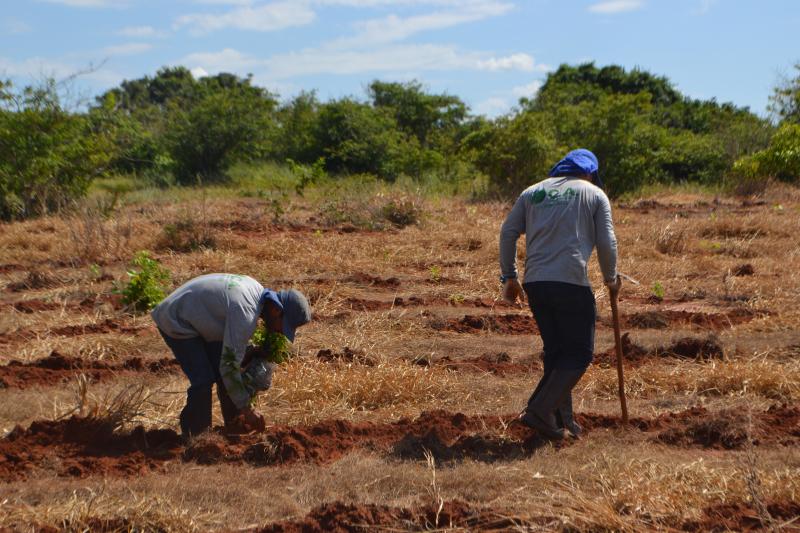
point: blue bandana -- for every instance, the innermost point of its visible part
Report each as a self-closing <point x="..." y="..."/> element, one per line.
<point x="577" y="163"/>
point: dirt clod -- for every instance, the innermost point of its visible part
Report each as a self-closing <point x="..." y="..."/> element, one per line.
<point x="508" y="324"/>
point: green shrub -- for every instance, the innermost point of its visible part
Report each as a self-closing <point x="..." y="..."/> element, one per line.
<point x="781" y="159"/>
<point x="146" y="286"/>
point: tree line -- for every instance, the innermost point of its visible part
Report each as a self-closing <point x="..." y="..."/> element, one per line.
<point x="173" y="129"/>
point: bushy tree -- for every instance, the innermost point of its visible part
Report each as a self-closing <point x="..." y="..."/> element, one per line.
<point x="785" y="101"/>
<point x="219" y="129"/>
<point x="48" y="154"/>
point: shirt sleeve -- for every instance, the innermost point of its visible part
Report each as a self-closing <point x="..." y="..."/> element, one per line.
<point x="512" y="228"/>
<point x="605" y="239"/>
<point x="240" y="324"/>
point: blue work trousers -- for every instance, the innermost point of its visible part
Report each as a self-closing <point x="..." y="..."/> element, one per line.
<point x="200" y="362"/>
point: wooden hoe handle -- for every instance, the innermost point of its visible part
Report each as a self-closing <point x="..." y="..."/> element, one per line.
<point x="618" y="343"/>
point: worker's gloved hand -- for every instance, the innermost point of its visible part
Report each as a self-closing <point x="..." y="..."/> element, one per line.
<point x="614" y="286"/>
<point x="512" y="291"/>
<point x="248" y="421"/>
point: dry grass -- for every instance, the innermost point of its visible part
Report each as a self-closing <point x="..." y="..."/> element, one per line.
<point x="610" y="481"/>
<point x="306" y="391"/>
<point x="756" y="376"/>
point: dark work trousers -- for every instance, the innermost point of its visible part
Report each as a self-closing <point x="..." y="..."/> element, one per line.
<point x="200" y="362"/>
<point x="565" y="314"/>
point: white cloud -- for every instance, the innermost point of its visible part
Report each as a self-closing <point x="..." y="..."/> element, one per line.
<point x="15" y="26"/>
<point x="199" y="72"/>
<point x="393" y="28"/>
<point x="513" y="62"/>
<point x="127" y="49"/>
<point x="616" y="6"/>
<point x="704" y="7"/>
<point x="140" y="32"/>
<point x="335" y="61"/>
<point x="527" y="90"/>
<point x="267" y="17"/>
<point x="37" y="68"/>
<point x="88" y="3"/>
<point x="492" y="107"/>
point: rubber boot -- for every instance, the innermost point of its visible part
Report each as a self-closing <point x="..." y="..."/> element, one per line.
<point x="540" y="414"/>
<point x="566" y="419"/>
<point x="195" y="417"/>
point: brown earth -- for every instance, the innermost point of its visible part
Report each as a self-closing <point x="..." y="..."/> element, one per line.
<point x="508" y="324"/>
<point x="57" y="368"/>
<point x="340" y="517"/>
<point x="360" y="304"/>
<point x="80" y="447"/>
<point x="35" y="305"/>
<point x="346" y="355"/>
<point x="740" y="516"/>
<point x="716" y="319"/>
<point x="499" y="363"/>
<point x="362" y="278"/>
<point x="685" y="348"/>
<point x="109" y="325"/>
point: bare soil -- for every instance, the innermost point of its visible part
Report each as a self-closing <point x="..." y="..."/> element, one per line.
<point x="81" y="446"/>
<point x="58" y="368"/>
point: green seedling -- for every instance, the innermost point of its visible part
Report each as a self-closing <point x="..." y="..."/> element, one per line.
<point x="436" y="273"/>
<point x="275" y="345"/>
<point x="658" y="291"/>
<point x="147" y="284"/>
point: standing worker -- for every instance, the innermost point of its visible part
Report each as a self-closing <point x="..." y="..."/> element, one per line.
<point x="207" y="323"/>
<point x="563" y="217"/>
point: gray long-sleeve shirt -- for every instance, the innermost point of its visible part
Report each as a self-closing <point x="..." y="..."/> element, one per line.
<point x="216" y="307"/>
<point x="563" y="219"/>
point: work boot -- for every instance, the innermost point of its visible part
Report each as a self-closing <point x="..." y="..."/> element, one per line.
<point x="195" y="417"/>
<point x="540" y="414"/>
<point x="566" y="419"/>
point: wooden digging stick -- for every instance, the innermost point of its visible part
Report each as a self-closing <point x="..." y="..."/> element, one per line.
<point x="618" y="342"/>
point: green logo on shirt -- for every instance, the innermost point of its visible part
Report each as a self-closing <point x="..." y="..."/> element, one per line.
<point x="538" y="196"/>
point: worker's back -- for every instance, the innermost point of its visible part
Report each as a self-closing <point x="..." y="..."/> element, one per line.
<point x="563" y="219"/>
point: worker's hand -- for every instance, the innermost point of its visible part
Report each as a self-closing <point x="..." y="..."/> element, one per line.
<point x="614" y="286"/>
<point x="249" y="420"/>
<point x="512" y="291"/>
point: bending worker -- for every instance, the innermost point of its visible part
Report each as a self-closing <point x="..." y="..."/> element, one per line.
<point x="563" y="217"/>
<point x="207" y="322"/>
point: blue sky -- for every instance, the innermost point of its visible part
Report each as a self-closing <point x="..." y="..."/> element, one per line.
<point x="488" y="52"/>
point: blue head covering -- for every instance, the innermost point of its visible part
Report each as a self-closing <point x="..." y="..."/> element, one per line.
<point x="294" y="306"/>
<point x="577" y="163"/>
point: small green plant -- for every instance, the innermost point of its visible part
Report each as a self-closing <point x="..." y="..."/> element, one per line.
<point x="275" y="345"/>
<point x="658" y="291"/>
<point x="307" y="175"/>
<point x="95" y="271"/>
<point x="147" y="284"/>
<point x="436" y="273"/>
<point x="457" y="299"/>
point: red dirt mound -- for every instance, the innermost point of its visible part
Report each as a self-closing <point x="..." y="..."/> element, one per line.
<point x="57" y="368"/>
<point x="508" y="324"/>
<point x="340" y="517"/>
<point x="359" y="304"/>
<point x="107" y="326"/>
<point x="362" y="278"/>
<point x="79" y="447"/>
<point x="82" y="446"/>
<point x="714" y="320"/>
<point x="347" y="355"/>
<point x="734" y="429"/>
<point x="740" y="516"/>
<point x="499" y="363"/>
<point x="684" y="348"/>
